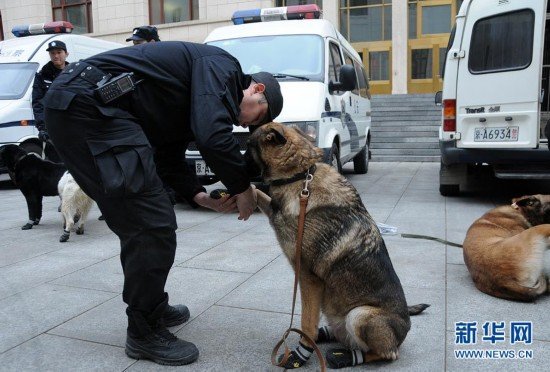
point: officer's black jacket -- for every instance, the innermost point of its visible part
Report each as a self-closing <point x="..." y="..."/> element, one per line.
<point x="42" y="81"/>
<point x="189" y="92"/>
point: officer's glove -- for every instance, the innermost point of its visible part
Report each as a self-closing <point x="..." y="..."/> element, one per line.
<point x="43" y="135"/>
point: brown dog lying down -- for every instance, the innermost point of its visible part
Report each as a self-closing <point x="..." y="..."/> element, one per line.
<point x="346" y="271"/>
<point x="504" y="249"/>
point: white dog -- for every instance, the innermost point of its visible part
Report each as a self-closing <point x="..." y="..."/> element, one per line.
<point x="75" y="205"/>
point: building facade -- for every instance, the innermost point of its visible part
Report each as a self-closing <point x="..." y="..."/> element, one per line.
<point x="402" y="42"/>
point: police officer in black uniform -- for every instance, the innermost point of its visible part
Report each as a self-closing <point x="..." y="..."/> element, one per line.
<point x="42" y="81"/>
<point x="185" y="92"/>
<point x="144" y="34"/>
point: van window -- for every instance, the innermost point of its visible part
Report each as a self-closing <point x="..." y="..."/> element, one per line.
<point x="443" y="62"/>
<point x="16" y="78"/>
<point x="361" y="78"/>
<point x="303" y="54"/>
<point x="503" y="42"/>
<point x="349" y="61"/>
<point x="335" y="63"/>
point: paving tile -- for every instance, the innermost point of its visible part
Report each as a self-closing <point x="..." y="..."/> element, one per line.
<point x="104" y="276"/>
<point x="418" y="263"/>
<point x="28" y="314"/>
<point x="27" y="274"/>
<point x="270" y="289"/>
<point x="52" y="353"/>
<point x="198" y="289"/>
<point x="243" y="253"/>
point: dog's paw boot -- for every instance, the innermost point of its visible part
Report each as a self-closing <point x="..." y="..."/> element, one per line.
<point x="27" y="226"/>
<point x="64" y="237"/>
<point x="325" y="335"/>
<point x="297" y="358"/>
<point x="79" y="231"/>
<point x="341" y="358"/>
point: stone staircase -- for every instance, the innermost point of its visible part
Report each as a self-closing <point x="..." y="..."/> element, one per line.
<point x="405" y="128"/>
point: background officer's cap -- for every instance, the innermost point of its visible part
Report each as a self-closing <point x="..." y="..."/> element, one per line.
<point x="272" y="94"/>
<point x="56" y="44"/>
<point x="146" y="33"/>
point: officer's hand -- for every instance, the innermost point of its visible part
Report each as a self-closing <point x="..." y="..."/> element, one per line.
<point x="246" y="203"/>
<point x="43" y="135"/>
<point x="224" y="204"/>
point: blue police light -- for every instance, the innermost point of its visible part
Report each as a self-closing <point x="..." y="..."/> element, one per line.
<point x="246" y="16"/>
<point x="309" y="11"/>
<point x="58" y="27"/>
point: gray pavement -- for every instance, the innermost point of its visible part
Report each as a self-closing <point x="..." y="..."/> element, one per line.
<point x="61" y="306"/>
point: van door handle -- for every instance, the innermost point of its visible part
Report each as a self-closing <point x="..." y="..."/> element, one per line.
<point x="508" y="118"/>
<point x="482" y="120"/>
<point x="350" y="101"/>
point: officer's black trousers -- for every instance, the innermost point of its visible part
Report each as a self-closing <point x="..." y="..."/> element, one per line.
<point x="112" y="161"/>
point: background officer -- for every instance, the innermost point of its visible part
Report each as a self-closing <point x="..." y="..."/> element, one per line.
<point x="144" y="34"/>
<point x="186" y="92"/>
<point x="42" y="81"/>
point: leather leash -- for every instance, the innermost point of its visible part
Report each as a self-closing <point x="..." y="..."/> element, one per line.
<point x="304" y="196"/>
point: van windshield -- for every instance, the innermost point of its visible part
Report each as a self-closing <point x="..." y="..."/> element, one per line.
<point x="16" y="78"/>
<point x="286" y="55"/>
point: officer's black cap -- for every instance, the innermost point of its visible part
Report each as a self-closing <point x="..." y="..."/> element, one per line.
<point x="56" y="44"/>
<point x="272" y="94"/>
<point x="146" y="33"/>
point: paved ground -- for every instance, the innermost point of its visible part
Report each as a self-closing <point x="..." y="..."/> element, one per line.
<point x="61" y="308"/>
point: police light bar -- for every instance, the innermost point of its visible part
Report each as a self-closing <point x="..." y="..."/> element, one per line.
<point x="58" y="27"/>
<point x="309" y="11"/>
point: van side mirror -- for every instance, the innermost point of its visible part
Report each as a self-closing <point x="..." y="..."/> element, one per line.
<point x="438" y="98"/>
<point x="347" y="80"/>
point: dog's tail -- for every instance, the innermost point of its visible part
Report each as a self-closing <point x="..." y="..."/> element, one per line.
<point x="417" y="309"/>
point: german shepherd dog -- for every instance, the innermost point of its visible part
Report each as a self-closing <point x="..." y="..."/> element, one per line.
<point x="35" y="178"/>
<point x="346" y="271"/>
<point x="504" y="249"/>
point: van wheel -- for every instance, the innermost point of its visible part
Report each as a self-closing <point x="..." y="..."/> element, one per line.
<point x="32" y="148"/>
<point x="449" y="190"/>
<point x="361" y="160"/>
<point x="334" y="158"/>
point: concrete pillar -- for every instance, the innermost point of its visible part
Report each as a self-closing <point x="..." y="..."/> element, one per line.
<point x="400" y="31"/>
<point x="331" y="12"/>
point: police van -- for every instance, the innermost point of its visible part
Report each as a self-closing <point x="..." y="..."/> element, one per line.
<point x="322" y="79"/>
<point x="20" y="58"/>
<point x="496" y="93"/>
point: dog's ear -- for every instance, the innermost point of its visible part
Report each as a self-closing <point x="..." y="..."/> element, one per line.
<point x="275" y="137"/>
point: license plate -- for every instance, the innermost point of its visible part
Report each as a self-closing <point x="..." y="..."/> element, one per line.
<point x="501" y="134"/>
<point x="202" y="169"/>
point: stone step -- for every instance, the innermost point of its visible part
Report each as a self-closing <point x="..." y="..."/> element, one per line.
<point x="396" y="152"/>
<point x="404" y="145"/>
<point x="403" y="139"/>
<point x="406" y="116"/>
<point x="404" y="129"/>
<point x="403" y="97"/>
<point x="420" y="108"/>
<point x="410" y="158"/>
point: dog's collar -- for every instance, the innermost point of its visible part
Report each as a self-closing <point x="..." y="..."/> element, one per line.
<point x="297" y="177"/>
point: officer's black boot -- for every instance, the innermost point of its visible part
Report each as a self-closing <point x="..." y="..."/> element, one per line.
<point x="148" y="338"/>
<point x="175" y="315"/>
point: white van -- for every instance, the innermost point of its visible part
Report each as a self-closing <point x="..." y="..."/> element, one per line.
<point x="20" y="59"/>
<point x="496" y="92"/>
<point x="306" y="55"/>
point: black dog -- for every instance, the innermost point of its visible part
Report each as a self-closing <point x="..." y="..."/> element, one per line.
<point x="35" y="178"/>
